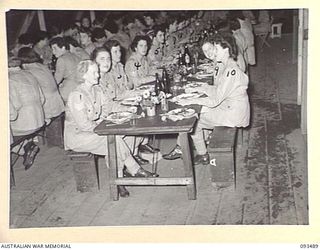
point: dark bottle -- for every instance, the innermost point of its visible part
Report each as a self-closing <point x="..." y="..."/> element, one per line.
<point x="165" y="82"/>
<point x="157" y="86"/>
<point x="181" y="61"/>
<point x="187" y="56"/>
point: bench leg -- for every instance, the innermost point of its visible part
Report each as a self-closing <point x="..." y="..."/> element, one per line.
<point x="187" y="164"/>
<point x="113" y="167"/>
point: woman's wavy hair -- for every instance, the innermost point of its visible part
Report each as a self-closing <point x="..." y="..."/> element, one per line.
<point x="82" y="69"/>
<point x="226" y="40"/>
<point x="28" y="55"/>
<point x="137" y="39"/>
<point x="97" y="50"/>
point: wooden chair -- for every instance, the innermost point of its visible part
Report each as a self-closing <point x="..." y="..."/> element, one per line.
<point x="263" y="36"/>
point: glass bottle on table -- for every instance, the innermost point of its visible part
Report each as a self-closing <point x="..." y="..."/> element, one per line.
<point x="187" y="56"/>
<point x="165" y="81"/>
<point x="157" y="86"/>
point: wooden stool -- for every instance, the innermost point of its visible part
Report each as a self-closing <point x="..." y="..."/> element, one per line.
<point x="222" y="154"/>
<point x="276" y="30"/>
<point x="85" y="169"/>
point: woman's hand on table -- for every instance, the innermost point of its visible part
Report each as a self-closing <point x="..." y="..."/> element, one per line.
<point x="133" y="110"/>
<point x="185" y="102"/>
<point x="200" y="89"/>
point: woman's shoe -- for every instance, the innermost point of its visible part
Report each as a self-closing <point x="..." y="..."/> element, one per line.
<point x="202" y="159"/>
<point x="140" y="173"/>
<point x="123" y="192"/>
<point x="140" y="160"/>
<point x="175" y="153"/>
<point x="146" y="148"/>
<point x="30" y="154"/>
<point x="144" y="173"/>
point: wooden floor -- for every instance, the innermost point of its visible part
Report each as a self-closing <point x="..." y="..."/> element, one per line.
<point x="271" y="173"/>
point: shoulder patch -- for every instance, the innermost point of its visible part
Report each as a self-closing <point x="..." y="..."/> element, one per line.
<point x="77" y="101"/>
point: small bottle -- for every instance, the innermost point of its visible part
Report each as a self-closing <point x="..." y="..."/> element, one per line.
<point x="187" y="56"/>
<point x="157" y="87"/>
<point x="164" y="104"/>
<point x="181" y="63"/>
<point x="165" y="86"/>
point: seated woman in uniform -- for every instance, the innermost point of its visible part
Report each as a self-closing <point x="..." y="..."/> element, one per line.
<point x="116" y="76"/>
<point x="66" y="65"/>
<point x="85" y="41"/>
<point x="26" y="100"/>
<point x="86" y="104"/>
<point x="138" y="67"/>
<point x="227" y="103"/>
<point x="157" y="51"/>
<point x="31" y="62"/>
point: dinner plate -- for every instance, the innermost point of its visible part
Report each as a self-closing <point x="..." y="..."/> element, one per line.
<point x="145" y="87"/>
<point x="205" y="66"/>
<point x="119" y="117"/>
<point x="185" y="112"/>
<point x="200" y="74"/>
<point x="195" y="84"/>
<point x="188" y="96"/>
<point x="131" y="101"/>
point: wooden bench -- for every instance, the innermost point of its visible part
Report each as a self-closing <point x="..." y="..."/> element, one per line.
<point x="86" y="170"/>
<point x="221" y="148"/>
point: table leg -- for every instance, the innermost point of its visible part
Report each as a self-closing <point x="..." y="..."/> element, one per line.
<point x="113" y="167"/>
<point x="187" y="164"/>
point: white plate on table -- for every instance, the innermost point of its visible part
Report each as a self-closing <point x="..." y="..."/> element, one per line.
<point x="205" y="66"/>
<point x="188" y="96"/>
<point x="131" y="101"/>
<point x="145" y="87"/>
<point x="195" y="84"/>
<point x="204" y="74"/>
<point x="185" y="112"/>
<point x="119" y="117"/>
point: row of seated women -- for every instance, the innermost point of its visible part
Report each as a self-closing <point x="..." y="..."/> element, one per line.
<point x="226" y="104"/>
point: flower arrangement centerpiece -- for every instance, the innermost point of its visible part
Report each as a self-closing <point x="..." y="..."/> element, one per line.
<point x="148" y="101"/>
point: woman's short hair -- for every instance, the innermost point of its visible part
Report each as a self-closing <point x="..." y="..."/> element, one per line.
<point x="111" y="43"/>
<point x="158" y="28"/>
<point x="137" y="39"/>
<point x="97" y="33"/>
<point x="60" y="42"/>
<point x="71" y="41"/>
<point x="96" y="51"/>
<point x="41" y="35"/>
<point x="111" y="26"/>
<point x="82" y="69"/>
<point x="26" y="39"/>
<point x="28" y="55"/>
<point x="86" y="31"/>
<point x="226" y="40"/>
<point x="234" y="24"/>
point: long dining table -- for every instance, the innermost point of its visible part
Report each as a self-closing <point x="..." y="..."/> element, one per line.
<point x="153" y="125"/>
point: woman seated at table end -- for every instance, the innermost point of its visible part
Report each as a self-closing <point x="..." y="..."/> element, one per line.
<point x="227" y="103"/>
<point x="83" y="113"/>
